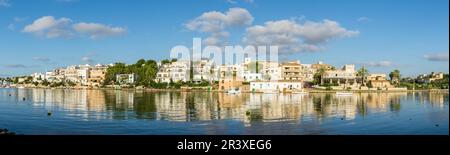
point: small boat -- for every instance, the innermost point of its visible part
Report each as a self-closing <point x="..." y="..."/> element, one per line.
<point x="21" y="87"/>
<point x="344" y="93"/>
<point x="234" y="91"/>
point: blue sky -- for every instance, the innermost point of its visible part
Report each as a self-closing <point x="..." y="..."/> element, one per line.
<point x="383" y="35"/>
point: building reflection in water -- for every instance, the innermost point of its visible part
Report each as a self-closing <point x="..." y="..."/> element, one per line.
<point x="202" y="106"/>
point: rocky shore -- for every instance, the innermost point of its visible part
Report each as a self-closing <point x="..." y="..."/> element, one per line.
<point x="6" y="132"/>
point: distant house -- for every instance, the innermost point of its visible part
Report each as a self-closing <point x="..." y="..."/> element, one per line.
<point x="38" y="77"/>
<point x="346" y="75"/>
<point x="126" y="78"/>
<point x="378" y="81"/>
<point x="427" y="78"/>
<point x="229" y="83"/>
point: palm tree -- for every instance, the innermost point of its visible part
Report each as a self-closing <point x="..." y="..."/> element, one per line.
<point x="319" y="75"/>
<point x="395" y="76"/>
<point x="363" y="72"/>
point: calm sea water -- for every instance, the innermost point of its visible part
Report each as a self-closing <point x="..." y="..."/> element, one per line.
<point x="85" y="112"/>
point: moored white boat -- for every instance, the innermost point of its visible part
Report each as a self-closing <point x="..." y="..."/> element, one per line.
<point x="234" y="91"/>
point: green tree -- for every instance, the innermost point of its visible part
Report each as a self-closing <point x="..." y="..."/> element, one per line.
<point x="362" y="72"/>
<point x="395" y="76"/>
<point x="45" y="82"/>
<point x="319" y="75"/>
<point x="165" y="61"/>
<point x="145" y="70"/>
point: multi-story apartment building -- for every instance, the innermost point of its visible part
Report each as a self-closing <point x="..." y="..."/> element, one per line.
<point x="54" y="76"/>
<point x="175" y="71"/>
<point x="71" y="74"/>
<point x="291" y="71"/>
<point x="97" y="75"/>
<point x="83" y="74"/>
<point x="204" y="70"/>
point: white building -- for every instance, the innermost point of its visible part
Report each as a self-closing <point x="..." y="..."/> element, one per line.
<point x="272" y="73"/>
<point x="54" y="76"/>
<point x="230" y="71"/>
<point x="345" y="75"/>
<point x="248" y="76"/>
<point x="126" y="78"/>
<point x="261" y="86"/>
<point x="204" y="70"/>
<point x="37" y="77"/>
<point x="175" y="71"/>
<point x="308" y="72"/>
<point x="71" y="74"/>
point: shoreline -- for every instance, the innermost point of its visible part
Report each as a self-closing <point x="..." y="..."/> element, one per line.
<point x="194" y="89"/>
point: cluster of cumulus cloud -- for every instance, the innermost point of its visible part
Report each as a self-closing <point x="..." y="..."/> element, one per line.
<point x="289" y="34"/>
<point x="50" y="27"/>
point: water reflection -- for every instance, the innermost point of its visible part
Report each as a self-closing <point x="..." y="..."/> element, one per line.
<point x="197" y="106"/>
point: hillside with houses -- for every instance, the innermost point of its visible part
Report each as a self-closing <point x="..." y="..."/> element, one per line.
<point x="249" y="76"/>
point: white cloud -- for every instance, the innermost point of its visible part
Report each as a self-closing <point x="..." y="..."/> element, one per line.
<point x="5" y="3"/>
<point x="215" y="23"/>
<point x="292" y="36"/>
<point x="437" y="57"/>
<point x="378" y="64"/>
<point x="95" y="30"/>
<point x="50" y="27"/>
